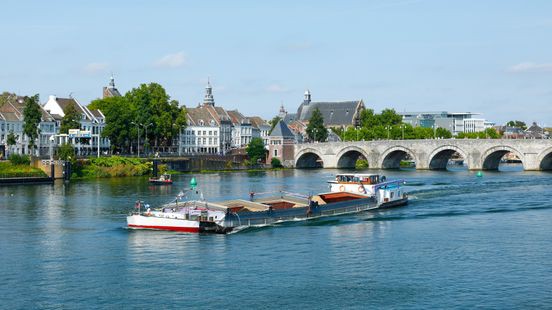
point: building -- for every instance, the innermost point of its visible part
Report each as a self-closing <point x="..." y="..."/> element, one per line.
<point x="260" y="129"/>
<point x="455" y="122"/>
<point x="242" y="130"/>
<point x="214" y="130"/>
<point x="536" y="132"/>
<point x="111" y="90"/>
<point x="281" y="141"/>
<point x="92" y="123"/>
<point x="12" y="121"/>
<point x="336" y="114"/>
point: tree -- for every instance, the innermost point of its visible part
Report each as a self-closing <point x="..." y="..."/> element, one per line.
<point x="315" y="129"/>
<point x="273" y="123"/>
<point x="119" y="113"/>
<point x="31" y="118"/>
<point x="388" y="117"/>
<point x="368" y="119"/>
<point x="443" y="133"/>
<point x="518" y="124"/>
<point x="11" y="140"/>
<point x="275" y="162"/>
<point x="71" y="120"/>
<point x="256" y="150"/>
<point x="67" y="152"/>
<point x="156" y="108"/>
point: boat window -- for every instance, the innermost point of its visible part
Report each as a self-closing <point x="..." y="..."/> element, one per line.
<point x="392" y="194"/>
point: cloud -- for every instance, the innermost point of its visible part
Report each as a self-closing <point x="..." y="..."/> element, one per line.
<point x="171" y="60"/>
<point x="276" y="88"/>
<point x="530" y="67"/>
<point x="299" y="46"/>
<point x="95" y="68"/>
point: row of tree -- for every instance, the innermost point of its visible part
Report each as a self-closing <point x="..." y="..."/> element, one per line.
<point x="385" y="125"/>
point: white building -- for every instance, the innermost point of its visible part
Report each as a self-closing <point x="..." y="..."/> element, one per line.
<point x="12" y="121"/>
<point x="92" y="123"/>
<point x="213" y="130"/>
<point x="455" y="122"/>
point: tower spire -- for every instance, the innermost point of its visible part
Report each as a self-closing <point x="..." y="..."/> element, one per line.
<point x="208" y="99"/>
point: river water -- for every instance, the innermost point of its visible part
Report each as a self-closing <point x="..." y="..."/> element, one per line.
<point x="463" y="241"/>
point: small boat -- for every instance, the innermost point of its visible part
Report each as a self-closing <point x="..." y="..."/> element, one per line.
<point x="387" y="193"/>
<point x="199" y="215"/>
<point x="164" y="179"/>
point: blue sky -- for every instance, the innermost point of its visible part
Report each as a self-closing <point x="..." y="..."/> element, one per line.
<point x="493" y="57"/>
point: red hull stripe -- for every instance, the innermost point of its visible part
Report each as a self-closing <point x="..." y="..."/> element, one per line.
<point x="172" y="228"/>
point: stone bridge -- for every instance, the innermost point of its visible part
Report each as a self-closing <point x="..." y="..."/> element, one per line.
<point x="478" y="154"/>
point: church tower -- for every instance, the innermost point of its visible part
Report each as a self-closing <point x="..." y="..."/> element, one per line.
<point x="111" y="90"/>
<point x="307" y="97"/>
<point x="208" y="99"/>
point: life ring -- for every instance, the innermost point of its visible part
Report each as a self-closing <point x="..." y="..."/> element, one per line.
<point x="342" y="188"/>
<point x="361" y="189"/>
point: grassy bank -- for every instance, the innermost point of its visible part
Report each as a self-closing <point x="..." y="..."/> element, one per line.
<point x="108" y="167"/>
<point x="9" y="170"/>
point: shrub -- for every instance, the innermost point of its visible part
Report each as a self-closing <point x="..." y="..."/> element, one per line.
<point x="275" y="162"/>
<point x="17" y="159"/>
<point x="361" y="164"/>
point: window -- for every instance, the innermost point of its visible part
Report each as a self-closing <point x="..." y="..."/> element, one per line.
<point x="210" y="132"/>
<point x="275" y="153"/>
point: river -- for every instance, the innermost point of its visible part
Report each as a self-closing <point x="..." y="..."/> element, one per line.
<point x="463" y="241"/>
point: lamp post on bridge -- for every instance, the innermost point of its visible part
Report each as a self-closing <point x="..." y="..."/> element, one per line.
<point x="388" y="131"/>
<point x="138" y="140"/>
<point x="146" y="143"/>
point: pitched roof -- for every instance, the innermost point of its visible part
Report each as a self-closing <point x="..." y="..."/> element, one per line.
<point x="258" y="122"/>
<point x="201" y="114"/>
<point x="334" y="113"/>
<point x="281" y="130"/>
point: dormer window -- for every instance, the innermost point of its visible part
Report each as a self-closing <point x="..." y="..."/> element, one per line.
<point x="201" y="123"/>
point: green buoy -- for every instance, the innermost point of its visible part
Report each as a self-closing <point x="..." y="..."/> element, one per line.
<point x="479" y="174"/>
<point x="193" y="183"/>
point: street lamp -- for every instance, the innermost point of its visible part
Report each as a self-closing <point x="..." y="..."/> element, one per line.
<point x="52" y="138"/>
<point x="402" y="127"/>
<point x="434" y="131"/>
<point x="315" y="131"/>
<point x="388" y="131"/>
<point x="138" y="142"/>
<point x="147" y="140"/>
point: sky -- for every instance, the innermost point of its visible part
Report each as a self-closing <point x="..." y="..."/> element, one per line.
<point x="491" y="57"/>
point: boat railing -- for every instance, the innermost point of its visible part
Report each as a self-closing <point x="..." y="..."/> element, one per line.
<point x="397" y="183"/>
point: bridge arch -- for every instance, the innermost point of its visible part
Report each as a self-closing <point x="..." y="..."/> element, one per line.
<point x="309" y="158"/>
<point x="348" y="156"/>
<point x="545" y="159"/>
<point x="492" y="156"/>
<point x="391" y="158"/>
<point x="439" y="157"/>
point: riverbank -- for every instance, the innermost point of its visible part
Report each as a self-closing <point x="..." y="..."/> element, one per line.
<point x="108" y="167"/>
<point x="10" y="170"/>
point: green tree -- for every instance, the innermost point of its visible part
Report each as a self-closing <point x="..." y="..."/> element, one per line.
<point x="71" y="120"/>
<point x="315" y="129"/>
<point x="256" y="150"/>
<point x="275" y="162"/>
<point x="368" y="119"/>
<point x="388" y="117"/>
<point x="156" y="108"/>
<point x="31" y="118"/>
<point x="518" y="124"/>
<point x="443" y="133"/>
<point x="119" y="113"/>
<point x="66" y="152"/>
<point x="11" y="140"/>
